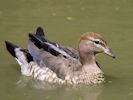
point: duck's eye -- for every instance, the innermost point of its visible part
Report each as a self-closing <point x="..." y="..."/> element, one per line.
<point x="97" y="42"/>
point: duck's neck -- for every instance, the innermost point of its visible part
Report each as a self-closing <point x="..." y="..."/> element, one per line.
<point x="87" y="58"/>
<point x="89" y="63"/>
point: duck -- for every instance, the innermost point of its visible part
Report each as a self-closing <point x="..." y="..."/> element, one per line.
<point x="48" y="61"/>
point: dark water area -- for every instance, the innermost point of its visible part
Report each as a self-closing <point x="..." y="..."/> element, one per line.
<point x="64" y="22"/>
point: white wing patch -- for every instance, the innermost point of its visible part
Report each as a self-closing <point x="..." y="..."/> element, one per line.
<point x="59" y="50"/>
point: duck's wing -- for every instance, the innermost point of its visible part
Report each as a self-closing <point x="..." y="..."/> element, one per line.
<point x="60" y="64"/>
<point x="46" y="46"/>
<point x="51" y="46"/>
<point x="71" y="51"/>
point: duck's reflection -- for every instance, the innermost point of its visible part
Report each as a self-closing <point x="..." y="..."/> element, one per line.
<point x="62" y="92"/>
<point x="25" y="81"/>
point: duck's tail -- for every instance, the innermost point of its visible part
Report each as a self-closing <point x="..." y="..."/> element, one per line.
<point x="22" y="56"/>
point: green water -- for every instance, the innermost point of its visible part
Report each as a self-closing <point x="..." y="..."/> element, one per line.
<point x="64" y="22"/>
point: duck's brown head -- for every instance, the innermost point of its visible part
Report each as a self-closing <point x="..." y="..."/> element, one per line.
<point x="94" y="43"/>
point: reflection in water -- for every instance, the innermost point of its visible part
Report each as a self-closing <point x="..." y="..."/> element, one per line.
<point x="66" y="92"/>
<point x="26" y="81"/>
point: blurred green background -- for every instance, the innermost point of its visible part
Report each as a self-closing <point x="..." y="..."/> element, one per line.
<point x="64" y="21"/>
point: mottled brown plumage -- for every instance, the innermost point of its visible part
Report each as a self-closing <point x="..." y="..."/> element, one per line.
<point x="73" y="70"/>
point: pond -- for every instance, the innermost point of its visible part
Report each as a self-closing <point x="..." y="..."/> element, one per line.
<point x="64" y="21"/>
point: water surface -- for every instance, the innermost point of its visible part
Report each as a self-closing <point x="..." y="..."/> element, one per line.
<point x="64" y="22"/>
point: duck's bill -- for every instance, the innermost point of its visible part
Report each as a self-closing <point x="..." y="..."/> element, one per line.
<point x="109" y="52"/>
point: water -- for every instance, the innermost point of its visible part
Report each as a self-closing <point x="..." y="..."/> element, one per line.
<point x="64" y="22"/>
